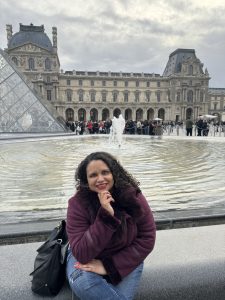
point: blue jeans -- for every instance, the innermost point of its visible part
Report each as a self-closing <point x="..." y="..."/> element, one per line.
<point x="92" y="286"/>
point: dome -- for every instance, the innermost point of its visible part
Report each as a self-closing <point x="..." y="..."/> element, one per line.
<point x="31" y="34"/>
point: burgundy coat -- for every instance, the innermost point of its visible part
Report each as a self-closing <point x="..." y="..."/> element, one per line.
<point x="100" y="237"/>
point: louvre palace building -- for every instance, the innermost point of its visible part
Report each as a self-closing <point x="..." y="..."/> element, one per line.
<point x="182" y="91"/>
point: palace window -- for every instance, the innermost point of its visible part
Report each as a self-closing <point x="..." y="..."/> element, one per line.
<point x="92" y="96"/>
<point x="69" y="95"/>
<point x="126" y="83"/>
<point x="148" y="84"/>
<point x="104" y="96"/>
<point x="190" y="96"/>
<point x="31" y="63"/>
<point x="47" y="64"/>
<point x="158" y="83"/>
<point x="80" y="82"/>
<point x="49" y="95"/>
<point x="137" y="83"/>
<point x="178" y="96"/>
<point x="201" y="96"/>
<point x="190" y="70"/>
<point x="68" y="82"/>
<point x="147" y="95"/>
<point x="81" y="95"/>
<point x="114" y="83"/>
<point x="158" y="98"/>
<point x="115" y="96"/>
<point x="92" y="83"/>
<point x="136" y="96"/>
<point x="15" y="60"/>
<point x="126" y="96"/>
<point x="103" y="83"/>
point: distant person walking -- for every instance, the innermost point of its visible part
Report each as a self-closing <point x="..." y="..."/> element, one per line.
<point x="189" y="126"/>
<point x="199" y="125"/>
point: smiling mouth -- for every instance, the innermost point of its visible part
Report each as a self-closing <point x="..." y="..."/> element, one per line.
<point x="101" y="186"/>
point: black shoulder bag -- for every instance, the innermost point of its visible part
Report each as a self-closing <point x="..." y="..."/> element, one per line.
<point x="50" y="262"/>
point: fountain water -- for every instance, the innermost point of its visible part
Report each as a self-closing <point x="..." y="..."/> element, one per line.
<point x="176" y="173"/>
<point x="116" y="130"/>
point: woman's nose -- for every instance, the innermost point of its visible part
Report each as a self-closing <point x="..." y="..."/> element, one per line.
<point x="100" y="177"/>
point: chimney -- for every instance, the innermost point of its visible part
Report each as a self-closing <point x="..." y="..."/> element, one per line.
<point x="9" y="32"/>
<point x="54" y="36"/>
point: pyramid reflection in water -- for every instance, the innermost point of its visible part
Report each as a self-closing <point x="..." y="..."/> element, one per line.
<point x="20" y="109"/>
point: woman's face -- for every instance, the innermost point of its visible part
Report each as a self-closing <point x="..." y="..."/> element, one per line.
<point x="99" y="176"/>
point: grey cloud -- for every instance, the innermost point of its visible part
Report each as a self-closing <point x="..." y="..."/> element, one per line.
<point x="105" y="40"/>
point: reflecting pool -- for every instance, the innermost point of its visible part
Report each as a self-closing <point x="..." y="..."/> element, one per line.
<point x="37" y="175"/>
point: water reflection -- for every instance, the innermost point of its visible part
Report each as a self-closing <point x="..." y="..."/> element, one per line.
<point x="37" y="177"/>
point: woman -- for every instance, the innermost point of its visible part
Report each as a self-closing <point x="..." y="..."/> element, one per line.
<point x="110" y="228"/>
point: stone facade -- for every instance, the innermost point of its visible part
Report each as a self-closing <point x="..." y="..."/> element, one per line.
<point x="181" y="92"/>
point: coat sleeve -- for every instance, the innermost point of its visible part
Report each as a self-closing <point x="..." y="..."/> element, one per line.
<point x="86" y="239"/>
<point x="126" y="260"/>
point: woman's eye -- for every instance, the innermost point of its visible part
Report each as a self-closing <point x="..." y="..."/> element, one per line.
<point x="105" y="172"/>
<point x="92" y="175"/>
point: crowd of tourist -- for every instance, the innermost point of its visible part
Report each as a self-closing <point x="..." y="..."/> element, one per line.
<point x="103" y="127"/>
<point x="144" y="127"/>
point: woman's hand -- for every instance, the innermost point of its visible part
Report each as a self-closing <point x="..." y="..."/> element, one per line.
<point x="105" y="198"/>
<point x="95" y="266"/>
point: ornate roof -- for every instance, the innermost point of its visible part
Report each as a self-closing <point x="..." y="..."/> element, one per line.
<point x="175" y="60"/>
<point x="31" y="34"/>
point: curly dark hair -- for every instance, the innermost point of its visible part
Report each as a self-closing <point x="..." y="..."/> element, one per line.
<point x="121" y="177"/>
<point x="124" y="191"/>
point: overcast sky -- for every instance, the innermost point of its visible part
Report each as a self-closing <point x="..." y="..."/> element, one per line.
<point x="126" y="35"/>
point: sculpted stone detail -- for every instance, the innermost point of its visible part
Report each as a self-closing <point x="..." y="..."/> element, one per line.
<point x="22" y="61"/>
<point x="40" y="61"/>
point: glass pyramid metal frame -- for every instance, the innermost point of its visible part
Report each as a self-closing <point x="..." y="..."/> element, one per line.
<point x="21" y="110"/>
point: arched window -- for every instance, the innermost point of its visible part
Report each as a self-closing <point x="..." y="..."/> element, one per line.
<point x="161" y="114"/>
<point x="31" y="63"/>
<point x="139" y="114"/>
<point x="47" y="64"/>
<point x="70" y="114"/>
<point x="15" y="60"/>
<point x="105" y="114"/>
<point x="81" y="114"/>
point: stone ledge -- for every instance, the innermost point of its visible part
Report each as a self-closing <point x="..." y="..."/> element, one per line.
<point x="186" y="264"/>
<point x="38" y="231"/>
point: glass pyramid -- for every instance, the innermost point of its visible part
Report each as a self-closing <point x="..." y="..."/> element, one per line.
<point x="21" y="110"/>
